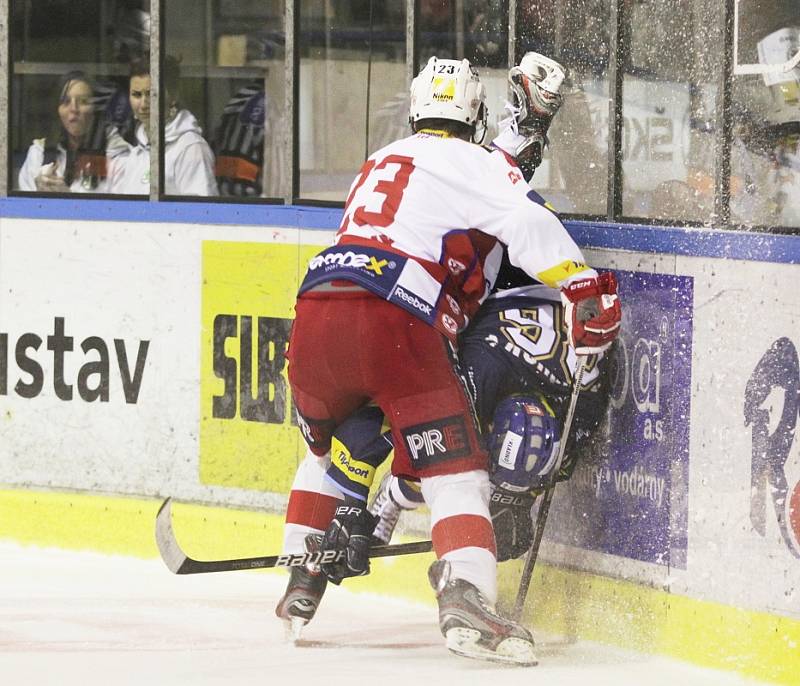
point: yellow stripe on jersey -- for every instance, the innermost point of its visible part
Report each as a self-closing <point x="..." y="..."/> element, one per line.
<point x="555" y="276"/>
<point x="355" y="470"/>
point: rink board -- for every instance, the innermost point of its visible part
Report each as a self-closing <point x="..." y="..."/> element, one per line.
<point x="144" y="358"/>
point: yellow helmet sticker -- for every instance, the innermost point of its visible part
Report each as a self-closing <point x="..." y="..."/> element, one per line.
<point x="444" y="88"/>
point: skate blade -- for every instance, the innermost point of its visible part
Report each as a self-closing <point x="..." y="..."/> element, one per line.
<point x="294" y="628"/>
<point x="512" y="651"/>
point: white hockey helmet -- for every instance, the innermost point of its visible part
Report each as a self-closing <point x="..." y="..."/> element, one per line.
<point x="535" y="84"/>
<point x="448" y="89"/>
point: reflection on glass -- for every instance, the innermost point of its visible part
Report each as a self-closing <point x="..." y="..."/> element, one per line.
<point x="353" y="95"/>
<point x="478" y="31"/>
<point x="765" y="149"/>
<point x="670" y="90"/>
<point x="69" y="60"/>
<point x="575" y="33"/>
<point x="231" y="80"/>
<point x="455" y="29"/>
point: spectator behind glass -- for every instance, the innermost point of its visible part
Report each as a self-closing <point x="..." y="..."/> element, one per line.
<point x="188" y="160"/>
<point x="76" y="163"/>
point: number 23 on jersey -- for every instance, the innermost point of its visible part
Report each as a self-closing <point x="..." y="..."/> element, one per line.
<point x="378" y="192"/>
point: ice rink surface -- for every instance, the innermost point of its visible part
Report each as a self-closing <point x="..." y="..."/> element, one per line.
<point x="85" y="619"/>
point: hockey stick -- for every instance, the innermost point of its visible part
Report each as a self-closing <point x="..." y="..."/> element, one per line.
<point x="179" y="562"/>
<point x="544" y="507"/>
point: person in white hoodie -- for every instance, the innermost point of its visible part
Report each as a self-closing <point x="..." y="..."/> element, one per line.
<point x="188" y="159"/>
<point x="76" y="163"/>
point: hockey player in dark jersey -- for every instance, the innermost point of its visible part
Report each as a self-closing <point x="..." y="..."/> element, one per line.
<point x="516" y="359"/>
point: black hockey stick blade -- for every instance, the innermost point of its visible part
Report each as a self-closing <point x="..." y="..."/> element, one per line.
<point x="179" y="562"/>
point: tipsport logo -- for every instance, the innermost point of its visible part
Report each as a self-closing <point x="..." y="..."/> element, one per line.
<point x="772" y="403"/>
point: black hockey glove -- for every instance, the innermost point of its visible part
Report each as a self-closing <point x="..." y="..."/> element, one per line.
<point x="349" y="532"/>
<point x="511" y="520"/>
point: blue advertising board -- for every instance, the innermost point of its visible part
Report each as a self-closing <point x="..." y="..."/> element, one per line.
<point x="630" y="497"/>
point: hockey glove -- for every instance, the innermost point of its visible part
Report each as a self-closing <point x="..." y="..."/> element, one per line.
<point x="511" y="521"/>
<point x="592" y="313"/>
<point x="349" y="532"/>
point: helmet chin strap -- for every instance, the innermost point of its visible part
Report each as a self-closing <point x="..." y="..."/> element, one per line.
<point x="481" y="124"/>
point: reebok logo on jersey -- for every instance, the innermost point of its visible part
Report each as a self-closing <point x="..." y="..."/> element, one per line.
<point x="414" y="301"/>
<point x="432" y="442"/>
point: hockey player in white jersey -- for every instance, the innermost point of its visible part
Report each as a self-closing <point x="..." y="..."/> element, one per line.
<point x="515" y="356"/>
<point x="423" y="229"/>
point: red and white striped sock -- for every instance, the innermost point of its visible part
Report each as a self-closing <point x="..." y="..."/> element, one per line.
<point x="312" y="502"/>
<point x="461" y="527"/>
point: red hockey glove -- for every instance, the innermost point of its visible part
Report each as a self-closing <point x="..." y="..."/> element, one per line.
<point x="592" y="313"/>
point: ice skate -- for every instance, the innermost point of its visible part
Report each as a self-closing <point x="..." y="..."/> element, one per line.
<point x="472" y="628"/>
<point x="303" y="594"/>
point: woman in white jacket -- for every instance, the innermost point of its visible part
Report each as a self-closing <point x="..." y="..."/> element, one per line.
<point x="76" y="163"/>
<point x="188" y="160"/>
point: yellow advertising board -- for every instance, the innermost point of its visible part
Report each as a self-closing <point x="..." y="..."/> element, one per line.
<point x="248" y="434"/>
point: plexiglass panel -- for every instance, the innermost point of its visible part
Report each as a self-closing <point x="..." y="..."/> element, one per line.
<point x="765" y="151"/>
<point x="69" y="66"/>
<point x="225" y="121"/>
<point x="353" y="95"/>
<point x="476" y="30"/>
<point x="670" y="92"/>
<point x="573" y="174"/>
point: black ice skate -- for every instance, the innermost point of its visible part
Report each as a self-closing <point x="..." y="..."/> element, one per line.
<point x="470" y="625"/>
<point x="303" y="594"/>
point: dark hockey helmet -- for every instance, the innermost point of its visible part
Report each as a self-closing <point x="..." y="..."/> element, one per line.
<point x="523" y="444"/>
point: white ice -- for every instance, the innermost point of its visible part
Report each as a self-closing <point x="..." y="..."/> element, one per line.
<point x="69" y="618"/>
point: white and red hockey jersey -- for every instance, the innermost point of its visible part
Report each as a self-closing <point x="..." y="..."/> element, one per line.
<point x="422" y="223"/>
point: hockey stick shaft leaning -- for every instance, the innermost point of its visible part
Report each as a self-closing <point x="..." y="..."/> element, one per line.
<point x="179" y="562"/>
<point x="544" y="507"/>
